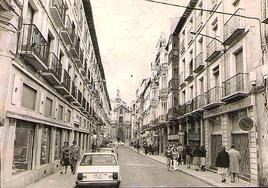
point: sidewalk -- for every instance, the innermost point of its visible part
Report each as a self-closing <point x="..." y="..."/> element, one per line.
<point x="208" y="177"/>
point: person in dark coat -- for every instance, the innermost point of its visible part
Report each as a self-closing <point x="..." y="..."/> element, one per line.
<point x="65" y="157"/>
<point x="188" y="153"/>
<point x="222" y="162"/>
<point x="197" y="157"/>
<point x="203" y="158"/>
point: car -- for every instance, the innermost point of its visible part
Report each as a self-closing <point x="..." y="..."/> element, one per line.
<point x="99" y="169"/>
<point x="121" y="143"/>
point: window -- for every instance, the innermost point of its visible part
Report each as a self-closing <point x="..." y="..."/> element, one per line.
<point x="98" y="160"/>
<point x="239" y="61"/>
<point x="120" y="119"/>
<point x="121" y="111"/>
<point x="58" y="144"/>
<point x="28" y="97"/>
<point x="48" y="111"/>
<point x="60" y="112"/>
<point x="23" y="147"/>
<point x="45" y="145"/>
<point x="68" y="118"/>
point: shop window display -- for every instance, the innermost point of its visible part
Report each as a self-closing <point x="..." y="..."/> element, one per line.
<point x="45" y="145"/>
<point x="23" y="147"/>
<point x="57" y="145"/>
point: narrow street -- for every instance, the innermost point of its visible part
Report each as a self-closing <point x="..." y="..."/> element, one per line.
<point x="136" y="169"/>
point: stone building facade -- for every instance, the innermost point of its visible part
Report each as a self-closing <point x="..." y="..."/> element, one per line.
<point x="120" y="120"/>
<point x="52" y="86"/>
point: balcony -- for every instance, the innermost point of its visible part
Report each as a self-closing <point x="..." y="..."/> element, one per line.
<point x="213" y="98"/>
<point x="164" y="68"/>
<point x="154" y="102"/>
<point x="265" y="12"/>
<point x="163" y="118"/>
<point x="213" y="50"/>
<point x="188" y="108"/>
<point x="234" y="28"/>
<point x="198" y="21"/>
<point x="87" y="78"/>
<point x="79" y="97"/>
<point x="80" y="59"/>
<point x="213" y="3"/>
<point x="182" y="46"/>
<point x="173" y="84"/>
<point x="173" y="113"/>
<point x="66" y="31"/>
<point x="34" y="47"/>
<point x="84" y="70"/>
<point x="73" y="95"/>
<point x="64" y="87"/>
<point x="174" y="54"/>
<point x="58" y="12"/>
<point x="190" y="36"/>
<point x="181" y="110"/>
<point x="190" y="76"/>
<point x="53" y="74"/>
<point x="199" y="63"/>
<point x="235" y="88"/>
<point x="75" y="47"/>
<point x="181" y="80"/>
<point x="199" y="103"/>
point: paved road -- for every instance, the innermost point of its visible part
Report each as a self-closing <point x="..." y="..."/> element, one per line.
<point x="137" y="170"/>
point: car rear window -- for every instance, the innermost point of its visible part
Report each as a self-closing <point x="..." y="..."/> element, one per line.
<point x="98" y="160"/>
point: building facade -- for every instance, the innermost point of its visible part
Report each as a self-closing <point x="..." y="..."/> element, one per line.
<point x="219" y="52"/>
<point x="52" y="86"/>
<point x="120" y="120"/>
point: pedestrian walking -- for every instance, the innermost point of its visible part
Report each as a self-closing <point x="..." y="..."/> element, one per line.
<point x="222" y="162"/>
<point x="197" y="156"/>
<point x="203" y="157"/>
<point x="145" y="147"/>
<point x="65" y="157"/>
<point x="234" y="157"/>
<point x="150" y="149"/>
<point x="138" y="147"/>
<point x="168" y="155"/>
<point x="180" y="152"/>
<point x="188" y="153"/>
<point x="175" y="158"/>
<point x="75" y="154"/>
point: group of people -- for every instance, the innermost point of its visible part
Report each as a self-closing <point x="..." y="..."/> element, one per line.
<point x="151" y="149"/>
<point x="178" y="154"/>
<point x="69" y="156"/>
<point x="228" y="160"/>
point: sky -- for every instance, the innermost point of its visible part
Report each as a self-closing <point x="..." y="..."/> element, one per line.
<point x="127" y="32"/>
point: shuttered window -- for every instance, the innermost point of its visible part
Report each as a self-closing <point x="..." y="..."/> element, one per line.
<point x="28" y="97"/>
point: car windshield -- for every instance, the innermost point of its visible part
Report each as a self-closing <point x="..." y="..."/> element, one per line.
<point x="98" y="160"/>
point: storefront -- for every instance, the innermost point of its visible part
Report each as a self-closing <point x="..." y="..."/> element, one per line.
<point x="222" y="128"/>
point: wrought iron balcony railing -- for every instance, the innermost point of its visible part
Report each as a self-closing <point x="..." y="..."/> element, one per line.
<point x="66" y="80"/>
<point x="213" y="95"/>
<point x="199" y="63"/>
<point x="199" y="102"/>
<point x="54" y="68"/>
<point x="58" y="10"/>
<point x="181" y="79"/>
<point x="234" y="27"/>
<point x="213" y="50"/>
<point x="34" y="46"/>
<point x="238" y="84"/>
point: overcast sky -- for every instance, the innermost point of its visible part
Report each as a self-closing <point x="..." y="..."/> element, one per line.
<point x="127" y="32"/>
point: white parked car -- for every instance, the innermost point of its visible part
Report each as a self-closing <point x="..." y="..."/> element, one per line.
<point x="98" y="169"/>
<point x="121" y="143"/>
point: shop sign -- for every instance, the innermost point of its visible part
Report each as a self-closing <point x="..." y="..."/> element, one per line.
<point x="229" y="108"/>
<point x="245" y="123"/>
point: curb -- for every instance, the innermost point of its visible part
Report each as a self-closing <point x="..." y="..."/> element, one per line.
<point x="201" y="179"/>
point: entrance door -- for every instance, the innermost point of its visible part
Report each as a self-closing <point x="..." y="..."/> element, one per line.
<point x="216" y="143"/>
<point x="241" y="142"/>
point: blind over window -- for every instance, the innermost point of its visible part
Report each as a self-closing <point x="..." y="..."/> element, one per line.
<point x="28" y="97"/>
